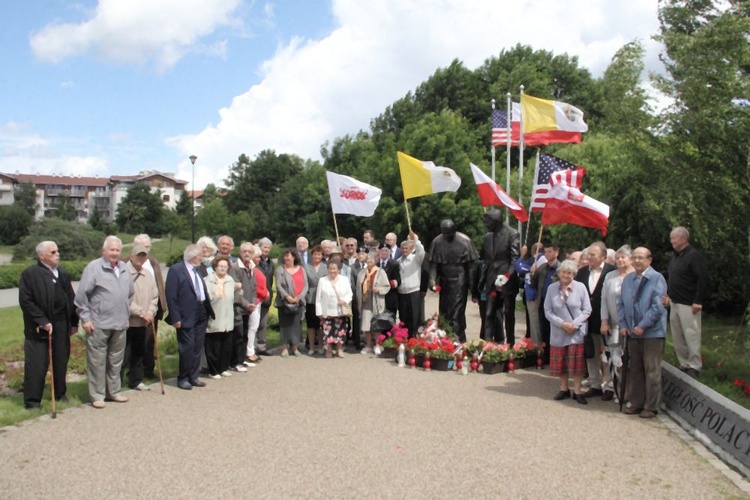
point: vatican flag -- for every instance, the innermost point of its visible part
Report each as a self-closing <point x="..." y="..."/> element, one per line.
<point x="420" y="178"/>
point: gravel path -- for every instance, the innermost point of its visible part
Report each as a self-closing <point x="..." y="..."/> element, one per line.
<point x="354" y="427"/>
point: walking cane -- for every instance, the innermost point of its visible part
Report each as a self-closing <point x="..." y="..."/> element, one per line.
<point x="156" y="355"/>
<point x="51" y="372"/>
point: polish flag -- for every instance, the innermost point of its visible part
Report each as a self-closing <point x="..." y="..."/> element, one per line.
<point x="492" y="194"/>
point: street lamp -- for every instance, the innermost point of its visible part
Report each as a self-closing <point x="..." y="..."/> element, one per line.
<point x="192" y="198"/>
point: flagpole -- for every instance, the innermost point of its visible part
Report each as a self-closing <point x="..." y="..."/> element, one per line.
<point x="533" y="189"/>
<point x="507" y="153"/>
<point x="408" y="217"/>
<point x="336" y="227"/>
<point x="492" y="102"/>
<point x="520" y="170"/>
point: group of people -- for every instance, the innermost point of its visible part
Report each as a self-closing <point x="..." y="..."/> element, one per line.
<point x="586" y="309"/>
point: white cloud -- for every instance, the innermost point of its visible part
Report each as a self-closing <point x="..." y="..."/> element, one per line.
<point x="316" y="90"/>
<point x="23" y="150"/>
<point x="138" y="31"/>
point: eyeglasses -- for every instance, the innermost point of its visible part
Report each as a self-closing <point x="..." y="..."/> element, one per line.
<point x="54" y="252"/>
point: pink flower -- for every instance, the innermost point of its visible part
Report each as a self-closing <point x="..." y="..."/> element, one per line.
<point x="381" y="339"/>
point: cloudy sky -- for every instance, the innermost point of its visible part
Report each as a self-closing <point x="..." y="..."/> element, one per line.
<point x="103" y="87"/>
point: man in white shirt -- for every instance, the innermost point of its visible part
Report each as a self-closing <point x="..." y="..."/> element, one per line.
<point x="409" y="296"/>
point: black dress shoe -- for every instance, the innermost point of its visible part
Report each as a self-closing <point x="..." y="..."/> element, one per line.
<point x="608" y="396"/>
<point x="32" y="406"/>
<point x="562" y="395"/>
<point x="63" y="398"/>
<point x="197" y="383"/>
<point x="581" y="399"/>
<point x="185" y="385"/>
<point x="592" y="392"/>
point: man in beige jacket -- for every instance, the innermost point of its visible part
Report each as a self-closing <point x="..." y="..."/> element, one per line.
<point x="143" y="308"/>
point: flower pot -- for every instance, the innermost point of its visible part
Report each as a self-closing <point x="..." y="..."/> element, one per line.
<point x="442" y="365"/>
<point x="491" y="368"/>
<point x="389" y="353"/>
<point x="528" y="361"/>
<point x="420" y="360"/>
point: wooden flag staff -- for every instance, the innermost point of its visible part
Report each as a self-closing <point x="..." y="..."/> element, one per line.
<point x="408" y="217"/>
<point x="335" y="226"/>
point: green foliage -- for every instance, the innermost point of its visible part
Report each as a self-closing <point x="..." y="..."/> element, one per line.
<point x="15" y="222"/>
<point x="97" y="222"/>
<point x="10" y="274"/>
<point x="25" y="197"/>
<point x="184" y="206"/>
<point x="74" y="240"/>
<point x="141" y="211"/>
<point x="63" y="208"/>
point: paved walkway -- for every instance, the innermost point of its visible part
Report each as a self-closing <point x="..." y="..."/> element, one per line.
<point x="354" y="427"/>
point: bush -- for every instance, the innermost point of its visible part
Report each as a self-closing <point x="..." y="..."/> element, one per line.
<point x="10" y="275"/>
<point x="15" y="222"/>
<point x="74" y="240"/>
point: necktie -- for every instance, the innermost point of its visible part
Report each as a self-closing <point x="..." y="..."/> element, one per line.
<point x="197" y="285"/>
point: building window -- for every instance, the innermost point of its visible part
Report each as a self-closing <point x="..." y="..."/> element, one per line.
<point x="165" y="198"/>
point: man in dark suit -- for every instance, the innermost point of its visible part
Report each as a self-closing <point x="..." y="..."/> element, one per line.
<point x="392" y="241"/>
<point x="46" y="299"/>
<point x="592" y="277"/>
<point x="267" y="267"/>
<point x="301" y="245"/>
<point x="393" y="271"/>
<point x="189" y="310"/>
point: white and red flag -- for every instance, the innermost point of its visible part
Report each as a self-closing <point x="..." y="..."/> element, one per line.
<point x="566" y="204"/>
<point x="350" y="196"/>
<point x="490" y="193"/>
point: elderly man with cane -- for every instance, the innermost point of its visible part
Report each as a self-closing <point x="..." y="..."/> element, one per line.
<point x="49" y="317"/>
<point x="143" y="307"/>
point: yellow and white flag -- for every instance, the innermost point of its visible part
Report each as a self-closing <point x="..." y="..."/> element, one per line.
<point x="540" y="115"/>
<point x="420" y="178"/>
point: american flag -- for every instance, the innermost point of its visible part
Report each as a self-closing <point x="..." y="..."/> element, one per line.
<point x="551" y="171"/>
<point x="500" y="128"/>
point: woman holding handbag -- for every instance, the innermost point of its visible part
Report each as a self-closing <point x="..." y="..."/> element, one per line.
<point x="291" y="289"/>
<point x="333" y="305"/>
<point x="372" y="287"/>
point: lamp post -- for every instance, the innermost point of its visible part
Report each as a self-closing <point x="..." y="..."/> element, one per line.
<point x="192" y="197"/>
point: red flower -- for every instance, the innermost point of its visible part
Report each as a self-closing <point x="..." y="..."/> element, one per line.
<point x="739" y="381"/>
<point x="438" y="288"/>
<point x="412" y="343"/>
<point x="493" y="294"/>
<point x="703" y="359"/>
<point x="746" y="389"/>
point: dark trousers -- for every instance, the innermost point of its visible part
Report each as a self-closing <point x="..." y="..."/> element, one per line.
<point x="544" y="330"/>
<point x="149" y="362"/>
<point x="190" y="345"/>
<point x="262" y="335"/>
<point x="218" y="351"/>
<point x="135" y="349"/>
<point x="37" y="362"/>
<point x="510" y="317"/>
<point x="494" y="318"/>
<point x="355" y="332"/>
<point x="237" y="343"/>
<point x="482" y="303"/>
<point x="526" y="311"/>
<point x="645" y="372"/>
<point x="409" y="305"/>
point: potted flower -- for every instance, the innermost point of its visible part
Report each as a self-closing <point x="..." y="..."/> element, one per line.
<point x="442" y="355"/>
<point x="494" y="357"/>
<point x="389" y="341"/>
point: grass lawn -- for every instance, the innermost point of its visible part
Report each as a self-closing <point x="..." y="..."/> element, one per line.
<point x="6" y="250"/>
<point x="11" y="352"/>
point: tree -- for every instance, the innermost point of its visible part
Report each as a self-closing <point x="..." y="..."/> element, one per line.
<point x="25" y="197"/>
<point x="141" y="211"/>
<point x="184" y="205"/>
<point x="74" y="240"/>
<point x="64" y="208"/>
<point x="210" y="193"/>
<point x="15" y="222"/>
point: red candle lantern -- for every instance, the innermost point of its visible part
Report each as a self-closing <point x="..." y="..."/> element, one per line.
<point x="511" y="364"/>
<point x="474" y="363"/>
<point x="412" y="359"/>
<point x="539" y="362"/>
<point x="426" y="363"/>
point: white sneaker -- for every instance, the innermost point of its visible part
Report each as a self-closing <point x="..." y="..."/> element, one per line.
<point x="215" y="377"/>
<point x="240" y="368"/>
<point x="311" y="352"/>
<point x="142" y="387"/>
<point x="322" y="350"/>
<point x="366" y="350"/>
<point x="377" y="350"/>
<point x="226" y="373"/>
<point x="248" y="364"/>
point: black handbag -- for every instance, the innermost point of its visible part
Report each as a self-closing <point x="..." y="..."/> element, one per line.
<point x="382" y="322"/>
<point x="588" y="346"/>
<point x="290" y="308"/>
